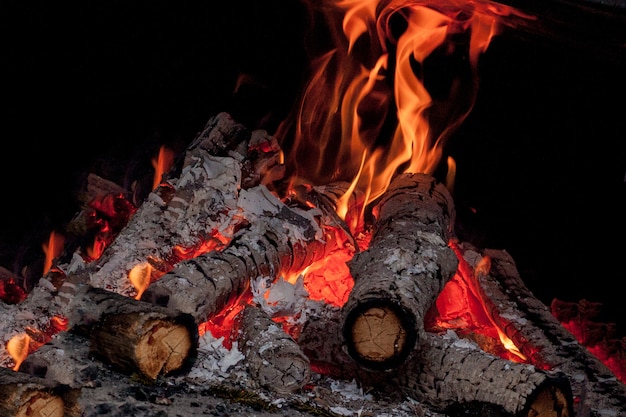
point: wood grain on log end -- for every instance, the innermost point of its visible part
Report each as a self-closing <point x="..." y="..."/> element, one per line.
<point x="150" y="344"/>
<point x="551" y="400"/>
<point x="27" y="396"/>
<point x="40" y="404"/>
<point x="163" y="348"/>
<point x="378" y="335"/>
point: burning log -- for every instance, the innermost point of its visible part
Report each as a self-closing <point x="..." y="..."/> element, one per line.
<point x="27" y="396"/>
<point x="197" y="212"/>
<point x="455" y="374"/>
<point x="152" y="340"/>
<point x="540" y="336"/>
<point x="274" y="358"/>
<point x="133" y="335"/>
<point x="446" y="372"/>
<point x="197" y="209"/>
<point x="278" y="239"/>
<point x="402" y="272"/>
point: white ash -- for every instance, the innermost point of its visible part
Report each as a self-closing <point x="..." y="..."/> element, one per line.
<point x="283" y="299"/>
<point x="259" y="205"/>
<point x="216" y="363"/>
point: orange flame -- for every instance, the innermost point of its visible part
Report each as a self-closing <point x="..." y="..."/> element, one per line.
<point x="384" y="101"/>
<point x="161" y="164"/>
<point x="18" y="348"/>
<point x="140" y="276"/>
<point x="52" y="249"/>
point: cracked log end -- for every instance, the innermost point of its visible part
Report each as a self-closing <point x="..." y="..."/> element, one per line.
<point x="163" y="348"/>
<point x="151" y="344"/>
<point x="21" y="395"/>
<point x="42" y="404"/>
<point x="274" y="358"/>
<point x="378" y="336"/>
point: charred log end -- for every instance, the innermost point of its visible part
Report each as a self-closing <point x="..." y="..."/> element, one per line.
<point x="153" y="347"/>
<point x="379" y="335"/>
<point x="284" y="375"/>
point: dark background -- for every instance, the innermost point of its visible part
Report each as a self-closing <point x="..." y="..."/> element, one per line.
<point x="100" y="85"/>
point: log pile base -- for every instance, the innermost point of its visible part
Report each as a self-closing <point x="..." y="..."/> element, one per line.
<point x="220" y="381"/>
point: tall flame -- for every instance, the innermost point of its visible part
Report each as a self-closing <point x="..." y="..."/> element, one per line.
<point x="401" y="76"/>
<point x="52" y="249"/>
<point x="161" y="164"/>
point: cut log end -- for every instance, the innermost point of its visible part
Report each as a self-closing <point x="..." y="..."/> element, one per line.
<point x="21" y="395"/>
<point x="163" y="348"/>
<point x="551" y="400"/>
<point x="377" y="336"/>
<point x="41" y="404"/>
<point x="152" y="344"/>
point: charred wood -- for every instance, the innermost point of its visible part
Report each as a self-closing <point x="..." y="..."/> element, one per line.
<point x="451" y="373"/>
<point x="402" y="272"/>
<point x="542" y="338"/>
<point x="274" y="359"/>
<point x="445" y="372"/>
<point x="278" y="239"/>
<point x="196" y="211"/>
<point x="133" y="335"/>
<point x="196" y="208"/>
<point x="152" y="340"/>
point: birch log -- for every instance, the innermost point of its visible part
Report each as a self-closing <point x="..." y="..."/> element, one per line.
<point x="401" y="273"/>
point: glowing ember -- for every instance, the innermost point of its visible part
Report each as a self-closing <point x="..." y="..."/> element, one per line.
<point x="377" y="105"/>
<point x="109" y="215"/>
<point x="382" y="102"/>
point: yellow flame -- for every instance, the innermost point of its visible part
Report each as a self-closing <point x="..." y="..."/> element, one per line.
<point x="451" y="175"/>
<point x="141" y="276"/>
<point x="483" y="266"/>
<point x="367" y="113"/>
<point x="18" y="349"/>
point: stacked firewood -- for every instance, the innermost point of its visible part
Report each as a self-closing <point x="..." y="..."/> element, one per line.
<point x="215" y="224"/>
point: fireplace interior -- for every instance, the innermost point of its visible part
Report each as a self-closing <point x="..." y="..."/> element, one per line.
<point x="540" y="160"/>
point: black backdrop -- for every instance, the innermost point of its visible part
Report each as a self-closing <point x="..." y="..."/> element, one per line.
<point x="541" y="159"/>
